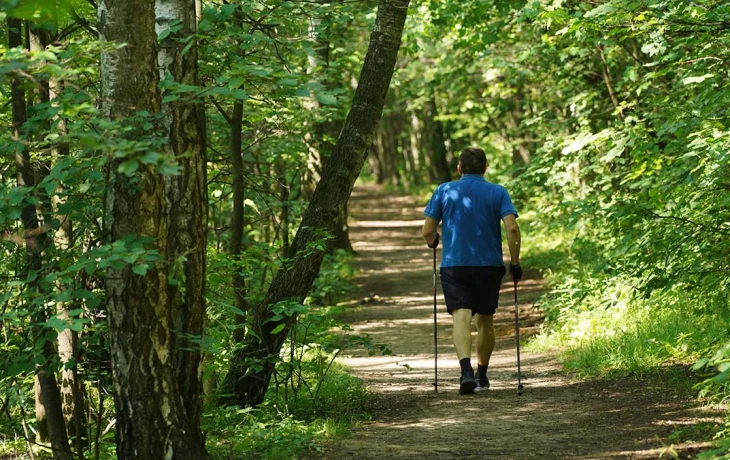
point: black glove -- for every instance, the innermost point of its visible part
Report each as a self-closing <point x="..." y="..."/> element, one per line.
<point x="516" y="272"/>
<point x="435" y="243"/>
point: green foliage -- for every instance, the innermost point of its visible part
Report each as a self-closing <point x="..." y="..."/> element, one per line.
<point x="312" y="397"/>
<point x="621" y="105"/>
<point x="52" y="15"/>
<point x="272" y="432"/>
<point x="601" y="322"/>
<point x="303" y="376"/>
<point x="719" y="384"/>
<point x="311" y="400"/>
<point x="610" y="117"/>
<point x="334" y="279"/>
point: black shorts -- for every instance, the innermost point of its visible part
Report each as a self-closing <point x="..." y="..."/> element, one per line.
<point x="475" y="288"/>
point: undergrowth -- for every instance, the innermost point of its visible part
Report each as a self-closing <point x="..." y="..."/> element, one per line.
<point x="311" y="398"/>
<point x="603" y="323"/>
<point x="282" y="429"/>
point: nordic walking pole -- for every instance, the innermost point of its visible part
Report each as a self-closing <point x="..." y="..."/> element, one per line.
<point x="435" y="330"/>
<point x="517" y="339"/>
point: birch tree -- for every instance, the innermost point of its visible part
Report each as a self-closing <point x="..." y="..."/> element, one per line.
<point x="156" y="312"/>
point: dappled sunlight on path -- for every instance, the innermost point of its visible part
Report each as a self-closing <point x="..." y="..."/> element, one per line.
<point x="555" y="418"/>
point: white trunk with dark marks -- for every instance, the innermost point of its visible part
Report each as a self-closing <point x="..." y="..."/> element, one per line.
<point x="150" y="319"/>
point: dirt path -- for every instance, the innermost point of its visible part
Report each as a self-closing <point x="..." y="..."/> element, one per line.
<point x="555" y="418"/>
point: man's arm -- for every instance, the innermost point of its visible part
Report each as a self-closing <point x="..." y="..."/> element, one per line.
<point x="429" y="229"/>
<point x="514" y="238"/>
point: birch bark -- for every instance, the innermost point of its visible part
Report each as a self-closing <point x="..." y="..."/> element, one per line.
<point x="156" y="319"/>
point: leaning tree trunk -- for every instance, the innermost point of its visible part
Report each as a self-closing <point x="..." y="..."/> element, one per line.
<point x="156" y="318"/>
<point x="330" y="130"/>
<point x="247" y="383"/>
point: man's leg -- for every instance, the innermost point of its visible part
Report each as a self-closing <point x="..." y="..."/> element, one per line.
<point x="485" y="346"/>
<point x="485" y="338"/>
<point x="462" y="344"/>
<point x="462" y="332"/>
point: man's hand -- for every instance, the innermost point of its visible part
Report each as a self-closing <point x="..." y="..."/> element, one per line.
<point x="516" y="272"/>
<point x="435" y="243"/>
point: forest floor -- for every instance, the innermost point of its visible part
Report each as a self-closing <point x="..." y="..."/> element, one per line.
<point x="556" y="417"/>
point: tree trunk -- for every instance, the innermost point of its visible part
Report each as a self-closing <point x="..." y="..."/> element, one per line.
<point x="188" y="194"/>
<point x="440" y="170"/>
<point x="415" y="146"/>
<point x="385" y="146"/>
<point x="237" y="218"/>
<point x="320" y="149"/>
<point x="375" y="159"/>
<point x="156" y="319"/>
<point x="238" y="282"/>
<point x="410" y="166"/>
<point x="26" y="176"/>
<point x="48" y="397"/>
<point x="71" y="398"/>
<point x="41" y="418"/>
<point x="341" y="233"/>
<point x="511" y="133"/>
<point x="248" y="384"/>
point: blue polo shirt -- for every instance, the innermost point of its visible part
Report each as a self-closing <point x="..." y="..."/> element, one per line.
<point x="471" y="210"/>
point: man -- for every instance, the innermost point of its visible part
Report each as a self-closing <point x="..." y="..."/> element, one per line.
<point x="472" y="266"/>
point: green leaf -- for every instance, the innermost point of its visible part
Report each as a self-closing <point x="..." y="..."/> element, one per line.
<point x="278" y="328"/>
<point x="168" y="169"/>
<point x="140" y="269"/>
<point x="129" y="167"/>
<point x="20" y="367"/>
<point x="236" y="310"/>
<point x="47" y="14"/>
<point x="719" y="379"/>
<point x="606" y="8"/>
<point x="170" y="98"/>
<point x="303" y="92"/>
<point x="326" y="99"/>
<point x="240" y="95"/>
<point x="150" y="158"/>
<point x="32" y="276"/>
<point x="57" y="323"/>
<point x="227" y="10"/>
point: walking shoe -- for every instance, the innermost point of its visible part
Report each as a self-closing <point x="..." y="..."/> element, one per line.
<point x="482" y="384"/>
<point x="467" y="384"/>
